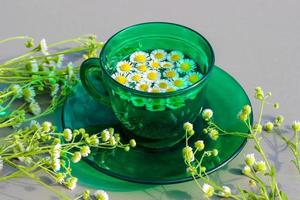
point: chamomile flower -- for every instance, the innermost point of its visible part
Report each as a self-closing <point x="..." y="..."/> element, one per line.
<point x="135" y="77"/>
<point x="170" y="74"/>
<point x="139" y="57"/>
<point x="167" y="65"/>
<point x="194" y="77"/>
<point x="143" y="86"/>
<point x="175" y="56"/>
<point x="152" y="75"/>
<point x="186" y="65"/>
<point x="142" y="67"/>
<point x="179" y="83"/>
<point x="163" y="84"/>
<point x="34" y="108"/>
<point x="43" y="47"/>
<point x="155" y="89"/>
<point x="170" y="89"/>
<point x="158" y="54"/>
<point x="154" y="64"/>
<point x="124" y="67"/>
<point x="120" y="77"/>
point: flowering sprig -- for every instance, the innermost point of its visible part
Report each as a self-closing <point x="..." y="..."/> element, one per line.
<point x="40" y="73"/>
<point x="261" y="173"/>
<point x="41" y="147"/>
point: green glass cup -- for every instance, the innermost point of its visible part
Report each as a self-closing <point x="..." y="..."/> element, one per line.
<point x="155" y="120"/>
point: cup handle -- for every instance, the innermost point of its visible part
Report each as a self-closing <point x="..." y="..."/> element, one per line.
<point x="89" y="69"/>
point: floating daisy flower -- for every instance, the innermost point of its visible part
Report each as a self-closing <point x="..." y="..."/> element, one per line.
<point x="167" y="65"/>
<point x="139" y="57"/>
<point x="170" y="89"/>
<point x="124" y="66"/>
<point x="155" y="90"/>
<point x="152" y="75"/>
<point x="158" y="54"/>
<point x="179" y="83"/>
<point x="163" y="84"/>
<point x="143" y="86"/>
<point x="175" y="56"/>
<point x="135" y="77"/>
<point x="186" y="65"/>
<point x="120" y="77"/>
<point x="154" y="64"/>
<point x="170" y="74"/>
<point x="142" y="67"/>
<point x="194" y="77"/>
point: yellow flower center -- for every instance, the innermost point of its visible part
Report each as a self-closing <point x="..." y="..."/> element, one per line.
<point x="136" y="77"/>
<point x="155" y="90"/>
<point x="163" y="85"/>
<point x="170" y="89"/>
<point x="159" y="55"/>
<point x="121" y="79"/>
<point x="155" y="64"/>
<point x="175" y="57"/>
<point x="193" y="78"/>
<point x="144" y="87"/>
<point x="142" y="68"/>
<point x="167" y="65"/>
<point x="178" y="83"/>
<point x="140" y="58"/>
<point x="171" y="74"/>
<point x="152" y="76"/>
<point x="126" y="67"/>
<point x="185" y="66"/>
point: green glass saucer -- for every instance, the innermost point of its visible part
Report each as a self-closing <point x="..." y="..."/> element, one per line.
<point x="223" y="95"/>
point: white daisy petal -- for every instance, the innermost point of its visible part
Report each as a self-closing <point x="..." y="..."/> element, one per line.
<point x="175" y="56"/>
<point x="171" y="74"/>
<point x="139" y="57"/>
<point x="120" y="78"/>
<point x="194" y="77"/>
<point x="141" y="67"/>
<point x="124" y="66"/>
<point x="179" y="83"/>
<point x="154" y="64"/>
<point x="152" y="75"/>
<point x="135" y="77"/>
<point x="143" y="86"/>
<point x="186" y="65"/>
<point x="158" y="54"/>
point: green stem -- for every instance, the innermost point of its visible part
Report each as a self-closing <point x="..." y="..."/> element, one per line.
<point x="15" y="38"/>
<point x="59" y="194"/>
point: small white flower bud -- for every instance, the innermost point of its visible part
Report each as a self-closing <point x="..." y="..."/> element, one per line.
<point x="56" y="164"/>
<point x="227" y="191"/>
<point x="260" y="166"/>
<point x="46" y="126"/>
<point x="250" y="159"/>
<point x="296" y="126"/>
<point x="213" y="134"/>
<point x="76" y="157"/>
<point x="187" y="126"/>
<point x="68" y="134"/>
<point x="101" y="195"/>
<point x="246" y="170"/>
<point x="268" y="126"/>
<point x="71" y="183"/>
<point x="208" y="190"/>
<point x="188" y="154"/>
<point x="85" y="151"/>
<point x="105" y="135"/>
<point x="199" y="145"/>
<point x="132" y="143"/>
<point x="207" y="114"/>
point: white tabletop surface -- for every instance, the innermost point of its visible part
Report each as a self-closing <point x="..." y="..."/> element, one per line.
<point x="257" y="42"/>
